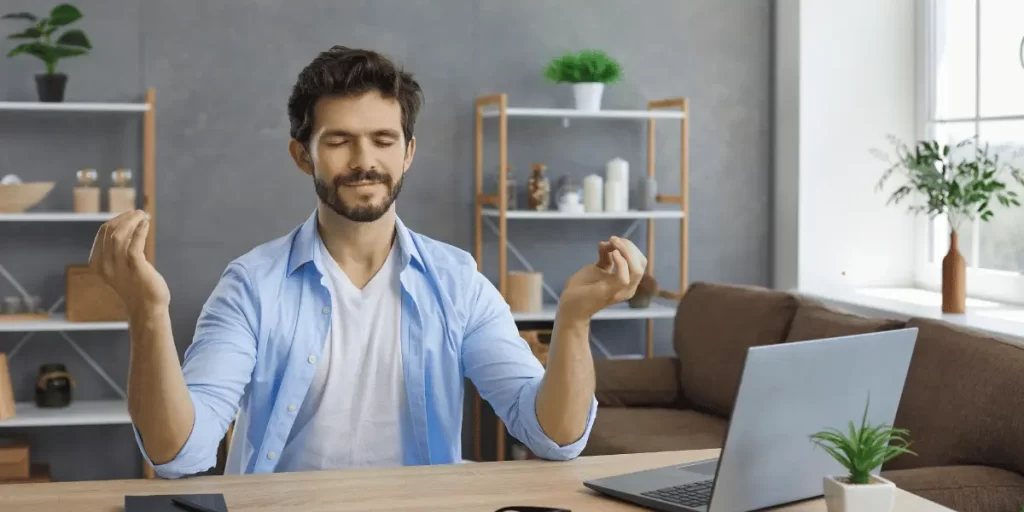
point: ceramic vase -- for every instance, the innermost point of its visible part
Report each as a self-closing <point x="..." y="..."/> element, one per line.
<point x="954" y="278"/>
<point x="588" y="95"/>
<point x="842" y="496"/>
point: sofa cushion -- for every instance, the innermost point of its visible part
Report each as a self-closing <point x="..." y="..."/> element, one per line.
<point x="964" y="488"/>
<point x="638" y="429"/>
<point x="963" y="400"/>
<point x="650" y="382"/>
<point x="714" y="326"/>
<point x="813" y="322"/>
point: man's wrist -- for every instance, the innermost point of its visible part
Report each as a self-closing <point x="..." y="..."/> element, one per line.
<point x="570" y="316"/>
<point x="145" y="314"/>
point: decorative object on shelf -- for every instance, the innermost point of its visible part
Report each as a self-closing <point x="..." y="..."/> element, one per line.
<point x="14" y="311"/>
<point x="87" y="192"/>
<point x="588" y="71"/>
<point x="861" y="451"/>
<point x="89" y="299"/>
<point x="961" y="187"/>
<point x="44" y="44"/>
<point x="539" y="342"/>
<point x="6" y="390"/>
<point x="121" y="195"/>
<point x="525" y="291"/>
<point x="17" y="196"/>
<point x="53" y="386"/>
<point x="616" y="185"/>
<point x="15" y="460"/>
<point x="593" y="194"/>
<point x="647" y="193"/>
<point x="645" y="291"/>
<point x="539" y="188"/>
<point x="12" y="305"/>
<point x="568" y="196"/>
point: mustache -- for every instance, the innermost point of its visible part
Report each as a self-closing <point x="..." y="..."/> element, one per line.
<point x="362" y="175"/>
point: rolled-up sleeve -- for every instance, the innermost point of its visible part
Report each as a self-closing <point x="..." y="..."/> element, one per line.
<point x="505" y="372"/>
<point x="217" y="368"/>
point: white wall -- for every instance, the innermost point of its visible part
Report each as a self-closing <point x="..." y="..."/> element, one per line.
<point x="845" y="79"/>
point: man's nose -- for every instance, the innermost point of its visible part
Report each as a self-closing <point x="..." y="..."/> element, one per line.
<point x="362" y="156"/>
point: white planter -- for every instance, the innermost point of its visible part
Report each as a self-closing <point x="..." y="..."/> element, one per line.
<point x="588" y="95"/>
<point x="841" y="496"/>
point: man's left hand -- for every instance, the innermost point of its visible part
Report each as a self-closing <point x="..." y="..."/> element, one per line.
<point x="613" y="279"/>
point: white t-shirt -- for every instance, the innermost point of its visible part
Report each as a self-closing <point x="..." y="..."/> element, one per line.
<point x="351" y="417"/>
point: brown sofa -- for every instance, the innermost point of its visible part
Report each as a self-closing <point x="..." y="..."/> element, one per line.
<point x="963" y="401"/>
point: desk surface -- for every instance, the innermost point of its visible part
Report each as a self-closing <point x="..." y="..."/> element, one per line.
<point x="479" y="487"/>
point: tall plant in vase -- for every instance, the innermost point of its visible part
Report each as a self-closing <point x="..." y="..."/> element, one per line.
<point x="961" y="182"/>
<point x="42" y="40"/>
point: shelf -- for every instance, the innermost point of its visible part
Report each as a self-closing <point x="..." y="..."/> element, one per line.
<point x="573" y="113"/>
<point x="59" y="323"/>
<point x="73" y="106"/>
<point x="80" y="412"/>
<point x="555" y="214"/>
<point x="617" y="312"/>
<point x="56" y="217"/>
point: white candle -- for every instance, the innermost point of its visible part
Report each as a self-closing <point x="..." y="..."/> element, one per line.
<point x="593" y="192"/>
<point x="613" y="200"/>
<point x="617" y="169"/>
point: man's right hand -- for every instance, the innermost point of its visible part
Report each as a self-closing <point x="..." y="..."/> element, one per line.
<point x="119" y="258"/>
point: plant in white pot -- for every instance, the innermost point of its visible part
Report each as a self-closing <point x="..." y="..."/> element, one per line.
<point x="588" y="71"/>
<point x="44" y="43"/>
<point x="861" y="450"/>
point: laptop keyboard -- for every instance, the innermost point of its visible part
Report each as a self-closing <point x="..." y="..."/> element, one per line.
<point x="696" y="494"/>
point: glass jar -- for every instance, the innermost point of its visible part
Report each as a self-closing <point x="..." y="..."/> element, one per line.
<point x="53" y="386"/>
<point x="87" y="178"/>
<point x="122" y="178"/>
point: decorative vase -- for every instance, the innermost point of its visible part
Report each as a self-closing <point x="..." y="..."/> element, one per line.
<point x="540" y="188"/>
<point x="954" y="278"/>
<point x="53" y="386"/>
<point x="50" y="87"/>
<point x="647" y="193"/>
<point x="588" y="95"/>
<point x="842" y="496"/>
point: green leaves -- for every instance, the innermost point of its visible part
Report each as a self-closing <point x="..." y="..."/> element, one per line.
<point x="71" y="43"/>
<point x="585" y="66"/>
<point x="863" y="449"/>
<point x="960" y="187"/>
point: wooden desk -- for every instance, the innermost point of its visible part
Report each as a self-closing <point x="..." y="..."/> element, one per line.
<point x="480" y="487"/>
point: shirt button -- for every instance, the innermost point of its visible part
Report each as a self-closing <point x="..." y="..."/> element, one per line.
<point x="312" y="359"/>
<point x="326" y="310"/>
<point x="271" y="455"/>
<point x="291" y="408"/>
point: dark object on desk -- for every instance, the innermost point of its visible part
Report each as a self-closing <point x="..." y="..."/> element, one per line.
<point x="532" y="509"/>
<point x="176" y="503"/>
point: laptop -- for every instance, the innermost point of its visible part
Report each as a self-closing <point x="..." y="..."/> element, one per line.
<point x="786" y="393"/>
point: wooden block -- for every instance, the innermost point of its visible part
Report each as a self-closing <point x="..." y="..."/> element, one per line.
<point x="89" y="299"/>
<point x="38" y="474"/>
<point x="6" y="390"/>
<point x="525" y="292"/>
<point x="14" y="459"/>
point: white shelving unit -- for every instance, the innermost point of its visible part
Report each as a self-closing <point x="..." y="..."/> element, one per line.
<point x="79" y="412"/>
<point x="491" y="210"/>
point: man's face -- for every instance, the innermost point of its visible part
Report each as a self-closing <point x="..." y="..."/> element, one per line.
<point x="357" y="154"/>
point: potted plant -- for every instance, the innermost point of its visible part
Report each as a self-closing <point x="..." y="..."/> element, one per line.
<point x="861" y="450"/>
<point x="45" y="44"/>
<point x="588" y="71"/>
<point x="962" y="187"/>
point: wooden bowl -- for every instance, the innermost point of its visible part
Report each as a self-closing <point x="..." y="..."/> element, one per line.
<point x="22" y="196"/>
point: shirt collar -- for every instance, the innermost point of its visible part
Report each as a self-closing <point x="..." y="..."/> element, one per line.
<point x="306" y="241"/>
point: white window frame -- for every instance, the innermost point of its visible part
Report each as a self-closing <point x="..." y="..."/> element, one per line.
<point x="994" y="285"/>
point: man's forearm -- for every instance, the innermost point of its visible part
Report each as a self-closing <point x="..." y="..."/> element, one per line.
<point x="566" y="393"/>
<point x="158" y="400"/>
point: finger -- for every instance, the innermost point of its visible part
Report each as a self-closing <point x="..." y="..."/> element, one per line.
<point x="621" y="268"/>
<point x="96" y="252"/>
<point x="604" y="258"/>
<point x="137" y="247"/>
<point x="632" y="253"/>
<point x="122" y="235"/>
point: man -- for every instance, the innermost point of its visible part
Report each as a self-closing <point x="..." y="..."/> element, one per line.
<point x="345" y="343"/>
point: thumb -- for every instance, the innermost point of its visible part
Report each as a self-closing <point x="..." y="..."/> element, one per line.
<point x="137" y="249"/>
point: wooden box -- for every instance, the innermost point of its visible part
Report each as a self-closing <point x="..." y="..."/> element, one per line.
<point x="89" y="299"/>
<point x="14" y="459"/>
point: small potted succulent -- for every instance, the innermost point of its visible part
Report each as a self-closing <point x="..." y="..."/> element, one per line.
<point x="43" y="42"/>
<point x="588" y="71"/>
<point x="861" y="450"/>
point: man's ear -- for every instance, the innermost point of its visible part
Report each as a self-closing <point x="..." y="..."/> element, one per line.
<point x="301" y="157"/>
<point x="410" y="151"/>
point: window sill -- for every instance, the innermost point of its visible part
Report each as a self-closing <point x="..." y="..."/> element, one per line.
<point x="1004" y="320"/>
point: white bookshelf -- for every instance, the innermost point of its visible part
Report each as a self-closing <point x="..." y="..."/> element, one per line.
<point x="73" y="106"/>
<point x="56" y="217"/>
<point x="620" y="311"/>
<point x="557" y="215"/>
<point x="57" y="323"/>
<point x="79" y="412"/>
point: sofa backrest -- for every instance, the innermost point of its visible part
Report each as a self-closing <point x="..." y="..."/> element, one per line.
<point x="963" y="401"/>
<point x="715" y="324"/>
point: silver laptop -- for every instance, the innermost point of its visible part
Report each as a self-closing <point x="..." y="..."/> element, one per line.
<point x="786" y="393"/>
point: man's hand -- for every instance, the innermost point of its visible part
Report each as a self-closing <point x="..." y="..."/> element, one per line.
<point x="118" y="257"/>
<point x="613" y="279"/>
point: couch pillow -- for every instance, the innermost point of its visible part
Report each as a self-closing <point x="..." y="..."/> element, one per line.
<point x="714" y="326"/>
<point x="814" y="322"/>
<point x="963" y="400"/>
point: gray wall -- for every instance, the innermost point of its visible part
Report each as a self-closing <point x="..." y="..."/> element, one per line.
<point x="223" y="71"/>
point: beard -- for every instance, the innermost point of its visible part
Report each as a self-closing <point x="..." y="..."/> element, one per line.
<point x="328" y="194"/>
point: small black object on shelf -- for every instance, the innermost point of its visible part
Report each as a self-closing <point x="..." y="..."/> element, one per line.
<point x="53" y="386"/>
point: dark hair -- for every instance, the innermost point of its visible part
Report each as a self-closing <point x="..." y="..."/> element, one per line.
<point x="350" y="71"/>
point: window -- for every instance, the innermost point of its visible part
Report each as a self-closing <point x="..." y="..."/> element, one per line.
<point x="974" y="85"/>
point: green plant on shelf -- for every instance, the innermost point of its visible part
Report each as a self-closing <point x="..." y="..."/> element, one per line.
<point x="862" y="449"/>
<point x="587" y="66"/>
<point x="44" y="42"/>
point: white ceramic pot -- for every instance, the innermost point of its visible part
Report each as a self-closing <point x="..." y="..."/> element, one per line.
<point x="588" y="95"/>
<point x="841" y="496"/>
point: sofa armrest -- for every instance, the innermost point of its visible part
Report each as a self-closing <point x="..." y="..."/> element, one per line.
<point x="638" y="382"/>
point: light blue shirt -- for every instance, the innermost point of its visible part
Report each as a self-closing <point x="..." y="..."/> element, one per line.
<point x="261" y="332"/>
